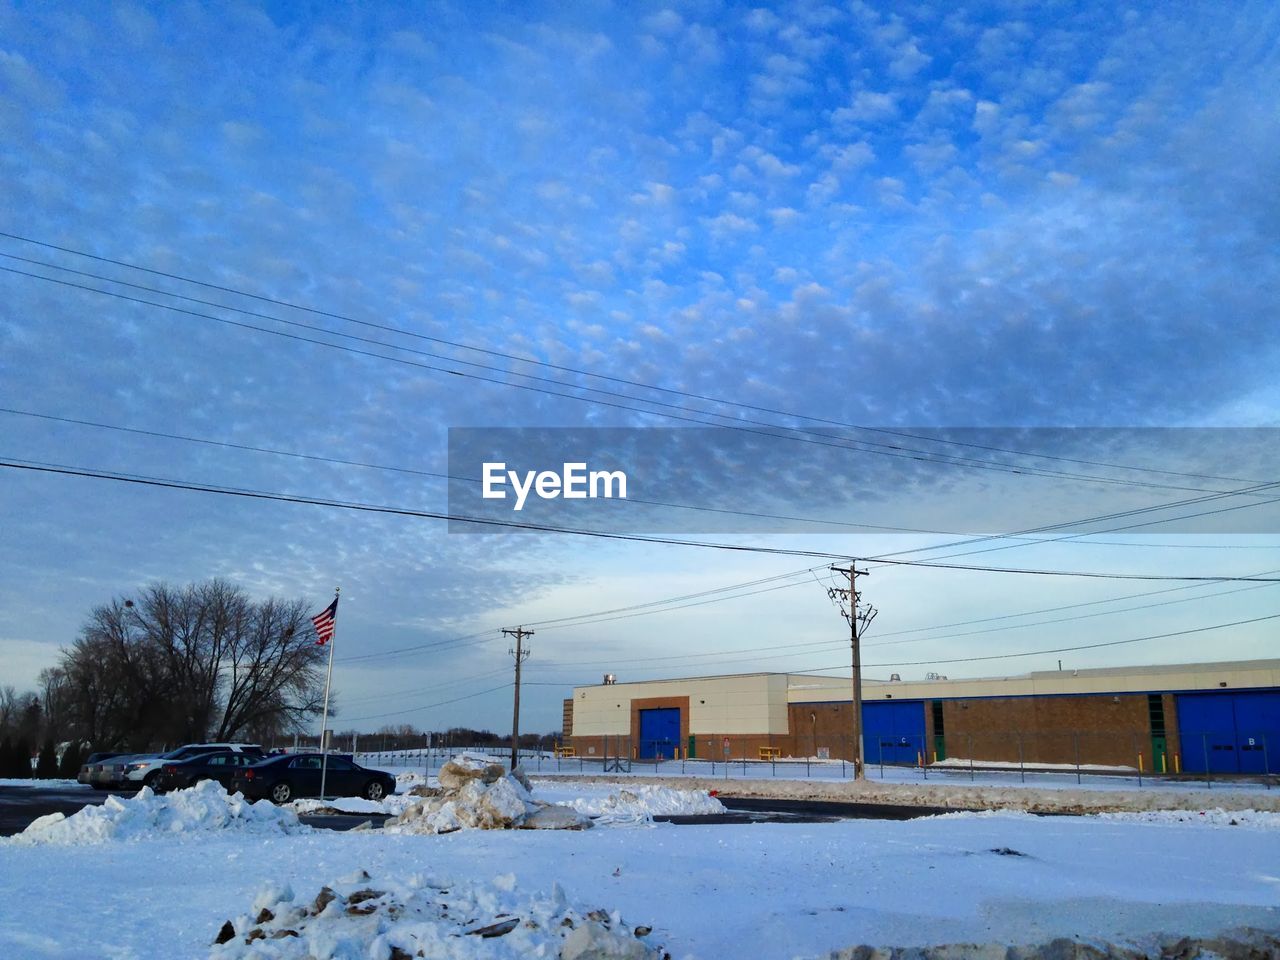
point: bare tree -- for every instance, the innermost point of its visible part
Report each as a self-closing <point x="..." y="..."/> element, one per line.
<point x="179" y="665"/>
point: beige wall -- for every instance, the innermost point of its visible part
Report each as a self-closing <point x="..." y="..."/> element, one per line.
<point x="753" y="703"/>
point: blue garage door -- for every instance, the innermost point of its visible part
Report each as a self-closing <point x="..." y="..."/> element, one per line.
<point x="659" y="732"/>
<point x="1230" y="732"/>
<point x="893" y="732"/>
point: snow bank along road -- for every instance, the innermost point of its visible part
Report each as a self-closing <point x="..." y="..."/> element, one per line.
<point x="962" y="796"/>
<point x="761" y="891"/>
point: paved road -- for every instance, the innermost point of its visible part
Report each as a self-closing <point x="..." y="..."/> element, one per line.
<point x="824" y="810"/>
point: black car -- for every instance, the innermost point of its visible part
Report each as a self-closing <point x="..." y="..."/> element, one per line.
<point x="222" y="766"/>
<point x="293" y="775"/>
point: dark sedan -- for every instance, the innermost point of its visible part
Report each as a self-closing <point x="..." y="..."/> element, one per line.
<point x="221" y="766"/>
<point x="298" y="775"/>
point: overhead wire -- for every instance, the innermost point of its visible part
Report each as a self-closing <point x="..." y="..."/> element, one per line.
<point x="720" y="401"/>
<point x="65" y="470"/>
<point x="736" y="423"/>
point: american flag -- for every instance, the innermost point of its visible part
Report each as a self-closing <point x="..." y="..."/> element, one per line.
<point x="325" y="623"/>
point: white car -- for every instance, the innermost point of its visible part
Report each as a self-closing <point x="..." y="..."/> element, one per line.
<point x="143" y="770"/>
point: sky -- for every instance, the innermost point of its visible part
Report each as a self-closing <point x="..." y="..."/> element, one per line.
<point x="1012" y="225"/>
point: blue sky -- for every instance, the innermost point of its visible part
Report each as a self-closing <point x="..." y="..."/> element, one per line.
<point x="1028" y="215"/>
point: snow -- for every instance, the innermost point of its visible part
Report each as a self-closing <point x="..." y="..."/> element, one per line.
<point x="198" y="858"/>
<point x="34" y="784"/>
<point x="203" y="808"/>
<point x="1217" y="817"/>
<point x="963" y="794"/>
<point x="364" y="916"/>
<point x="632" y="803"/>
<point x="485" y="798"/>
<point x="391" y="805"/>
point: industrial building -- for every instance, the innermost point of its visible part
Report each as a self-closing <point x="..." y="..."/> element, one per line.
<point x="1189" y="718"/>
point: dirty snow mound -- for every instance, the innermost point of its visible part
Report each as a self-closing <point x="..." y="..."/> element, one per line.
<point x="398" y="919"/>
<point x="481" y="796"/>
<point x="204" y="807"/>
<point x="643" y="802"/>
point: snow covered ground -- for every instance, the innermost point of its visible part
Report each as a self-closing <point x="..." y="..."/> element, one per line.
<point x="41" y="784"/>
<point x="760" y="890"/>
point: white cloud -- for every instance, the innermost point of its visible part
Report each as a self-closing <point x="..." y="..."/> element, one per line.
<point x="784" y="216"/>
<point x="761" y="20"/>
<point x="771" y="166"/>
<point x="908" y="61"/>
<point x="728" y="224"/>
<point x="664" y="22"/>
<point x="867" y="106"/>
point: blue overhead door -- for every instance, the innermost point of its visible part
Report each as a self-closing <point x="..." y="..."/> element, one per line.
<point x="892" y="732"/>
<point x="659" y="732"/>
<point x="1229" y="732"/>
<point x="1258" y="732"/>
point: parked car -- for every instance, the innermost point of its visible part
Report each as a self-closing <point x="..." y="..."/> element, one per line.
<point x="109" y="773"/>
<point x="221" y="765"/>
<point x="138" y="770"/>
<point x="144" y="771"/>
<point x="90" y="763"/>
<point x="298" y="775"/>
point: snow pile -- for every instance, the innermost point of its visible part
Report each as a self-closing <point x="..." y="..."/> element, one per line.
<point x="476" y="794"/>
<point x="392" y="805"/>
<point x="1258" y="819"/>
<point x="360" y="917"/>
<point x="643" y="802"/>
<point x="204" y="807"/>
<point x="406" y="780"/>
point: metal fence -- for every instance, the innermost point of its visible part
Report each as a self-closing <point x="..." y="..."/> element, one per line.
<point x="1008" y="756"/>
<point x="995" y="757"/>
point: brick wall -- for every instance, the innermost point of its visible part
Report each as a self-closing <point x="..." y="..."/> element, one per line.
<point x="1097" y="728"/>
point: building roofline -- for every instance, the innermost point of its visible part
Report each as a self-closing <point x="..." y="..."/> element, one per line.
<point x="1138" y="669"/>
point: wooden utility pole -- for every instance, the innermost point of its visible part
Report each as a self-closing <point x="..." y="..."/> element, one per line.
<point x="521" y="656"/>
<point x="854" y="618"/>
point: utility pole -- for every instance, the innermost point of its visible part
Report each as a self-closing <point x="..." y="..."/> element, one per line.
<point x="521" y="656"/>
<point x="855" y="618"/>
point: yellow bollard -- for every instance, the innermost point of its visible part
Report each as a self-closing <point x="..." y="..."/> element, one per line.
<point x="1177" y="763"/>
<point x="935" y="756"/>
<point x="1140" y="763"/>
<point x="919" y="759"/>
<point x="1164" y="763"/>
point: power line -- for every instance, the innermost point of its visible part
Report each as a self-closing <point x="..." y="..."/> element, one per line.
<point x="1085" y="646"/>
<point x="1067" y="606"/>
<point x="60" y="469"/>
<point x="561" y="368"/>
<point x="38" y="467"/>
<point x="1082" y="616"/>
<point x="426" y="706"/>
<point x="1024" y="653"/>
<point x="793" y="433"/>
<point x="420" y="689"/>
<point x="340" y="461"/>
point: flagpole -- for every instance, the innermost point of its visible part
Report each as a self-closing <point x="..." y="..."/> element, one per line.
<point x="324" y="722"/>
